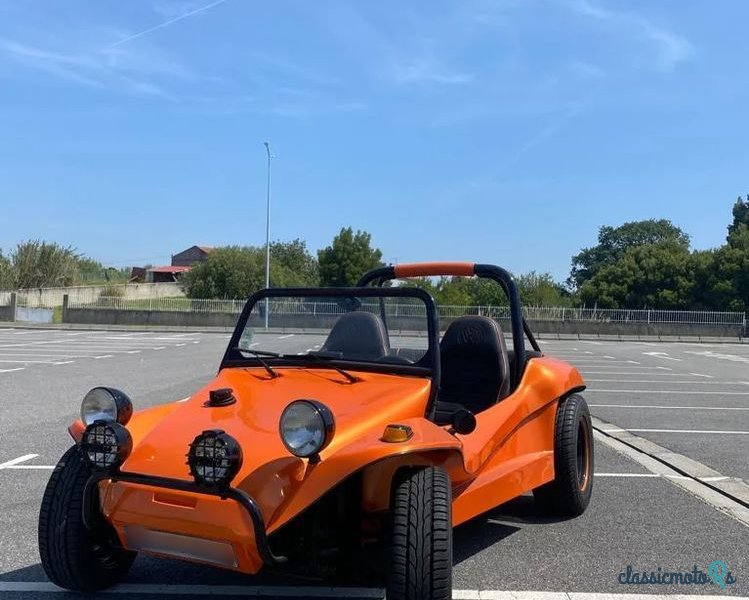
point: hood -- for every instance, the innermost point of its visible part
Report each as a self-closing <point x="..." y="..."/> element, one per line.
<point x="373" y="402"/>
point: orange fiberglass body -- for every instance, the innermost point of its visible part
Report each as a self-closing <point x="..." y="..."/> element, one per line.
<point x="384" y="419"/>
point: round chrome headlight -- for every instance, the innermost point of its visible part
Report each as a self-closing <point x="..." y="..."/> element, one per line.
<point x="106" y="404"/>
<point x="306" y="427"/>
<point x="214" y="458"/>
<point x="106" y="444"/>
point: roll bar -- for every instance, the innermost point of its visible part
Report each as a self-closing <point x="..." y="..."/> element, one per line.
<point x="466" y="269"/>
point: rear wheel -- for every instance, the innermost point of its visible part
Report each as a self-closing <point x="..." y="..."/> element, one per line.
<point x="72" y="556"/>
<point x="421" y="536"/>
<point x="569" y="493"/>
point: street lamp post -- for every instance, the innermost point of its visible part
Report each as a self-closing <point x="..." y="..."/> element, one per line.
<point x="267" y="234"/>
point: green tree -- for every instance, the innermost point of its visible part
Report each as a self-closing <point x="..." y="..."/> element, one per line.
<point x="348" y="257"/>
<point x="239" y="271"/>
<point x="540" y="289"/>
<point x="740" y="217"/>
<point x="231" y="272"/>
<point x="39" y="264"/>
<point x="292" y="265"/>
<point x="648" y="276"/>
<point x="7" y="277"/>
<point x="89" y="270"/>
<point x="613" y="242"/>
<point x="723" y="282"/>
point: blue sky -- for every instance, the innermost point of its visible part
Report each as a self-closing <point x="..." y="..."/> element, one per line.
<point x="496" y="131"/>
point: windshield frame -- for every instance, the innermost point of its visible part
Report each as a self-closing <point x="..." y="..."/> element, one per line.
<point x="234" y="358"/>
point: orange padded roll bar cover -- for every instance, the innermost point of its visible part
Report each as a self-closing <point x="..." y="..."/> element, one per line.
<point x="464" y="269"/>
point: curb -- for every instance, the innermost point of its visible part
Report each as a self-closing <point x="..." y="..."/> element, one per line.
<point x="728" y="494"/>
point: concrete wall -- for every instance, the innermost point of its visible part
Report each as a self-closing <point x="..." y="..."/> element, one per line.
<point x="111" y="316"/>
<point x="204" y="319"/>
<point x="8" y="306"/>
<point x="623" y="328"/>
<point x="49" y="297"/>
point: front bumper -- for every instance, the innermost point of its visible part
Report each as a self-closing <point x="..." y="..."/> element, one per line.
<point x="198" y="523"/>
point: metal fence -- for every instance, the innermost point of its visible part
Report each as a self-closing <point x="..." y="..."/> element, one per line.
<point x="416" y="309"/>
<point x="160" y="304"/>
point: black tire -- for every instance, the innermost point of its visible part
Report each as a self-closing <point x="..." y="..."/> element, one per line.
<point x="569" y="493"/>
<point x="421" y="548"/>
<point x="73" y="557"/>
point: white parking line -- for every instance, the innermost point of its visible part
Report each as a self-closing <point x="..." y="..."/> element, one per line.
<point x="697" y="392"/>
<point x="283" y="337"/>
<point x="29" y="332"/>
<point x="709" y="431"/>
<point x="18" y="460"/>
<point x="601" y="362"/>
<point x="55" y="355"/>
<point x="635" y="367"/>
<point x="686" y="382"/>
<point x="11" y="370"/>
<point x="210" y="590"/>
<point x="661" y="407"/>
<point x="701" y="375"/>
<point x="48" y="362"/>
<point x="43" y="587"/>
<point x="659" y="475"/>
<point x="663" y="355"/>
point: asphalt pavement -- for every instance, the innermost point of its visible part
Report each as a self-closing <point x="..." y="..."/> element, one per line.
<point x="691" y="399"/>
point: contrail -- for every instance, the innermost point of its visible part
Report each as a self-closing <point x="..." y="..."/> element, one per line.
<point x="166" y="23"/>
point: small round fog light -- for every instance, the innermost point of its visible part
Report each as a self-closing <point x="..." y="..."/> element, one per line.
<point x="106" y="444"/>
<point x="214" y="458"/>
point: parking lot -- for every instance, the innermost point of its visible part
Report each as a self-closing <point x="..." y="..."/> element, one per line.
<point x="675" y="508"/>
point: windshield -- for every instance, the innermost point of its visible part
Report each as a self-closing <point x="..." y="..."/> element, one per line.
<point x="382" y="327"/>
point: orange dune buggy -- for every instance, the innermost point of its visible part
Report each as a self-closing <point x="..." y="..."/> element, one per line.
<point x="338" y="421"/>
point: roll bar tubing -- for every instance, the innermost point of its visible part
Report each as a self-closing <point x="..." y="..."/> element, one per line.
<point x="465" y="269"/>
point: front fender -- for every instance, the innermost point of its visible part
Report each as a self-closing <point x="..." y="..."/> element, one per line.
<point x="142" y="422"/>
<point x="430" y="444"/>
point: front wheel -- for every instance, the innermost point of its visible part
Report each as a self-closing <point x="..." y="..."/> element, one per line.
<point x="421" y="536"/>
<point x="569" y="493"/>
<point x="72" y="556"/>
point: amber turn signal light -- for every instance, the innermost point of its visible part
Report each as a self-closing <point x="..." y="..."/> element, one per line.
<point x="397" y="433"/>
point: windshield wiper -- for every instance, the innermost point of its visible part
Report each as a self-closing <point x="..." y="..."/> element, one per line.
<point x="258" y="354"/>
<point x="327" y="357"/>
<point x="318" y="356"/>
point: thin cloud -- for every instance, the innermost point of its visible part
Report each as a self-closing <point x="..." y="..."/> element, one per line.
<point x="671" y="49"/>
<point x="422" y="70"/>
<point x="166" y="23"/>
<point x="88" y="69"/>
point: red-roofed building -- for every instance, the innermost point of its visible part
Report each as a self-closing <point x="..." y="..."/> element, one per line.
<point x="165" y="274"/>
<point x="181" y="262"/>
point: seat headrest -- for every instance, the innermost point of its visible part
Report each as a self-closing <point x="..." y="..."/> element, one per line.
<point x="475" y="365"/>
<point x="358" y="335"/>
<point x="474" y="335"/>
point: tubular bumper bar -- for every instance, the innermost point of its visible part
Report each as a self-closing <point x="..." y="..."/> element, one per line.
<point x="90" y="497"/>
